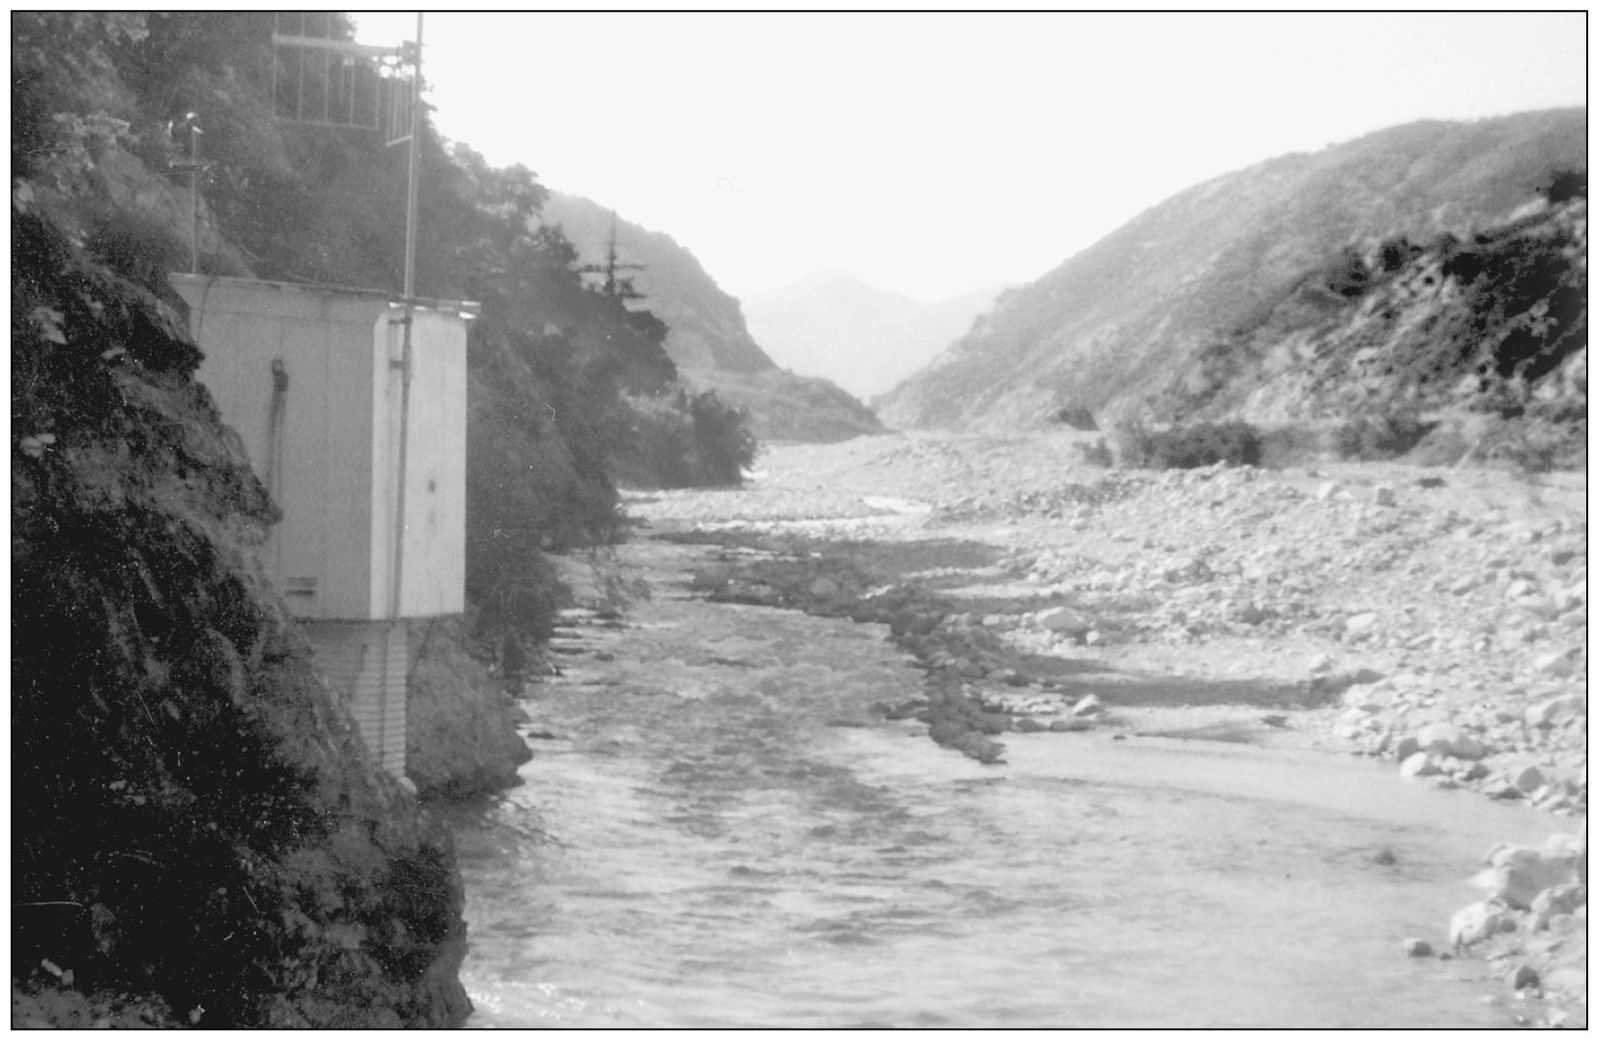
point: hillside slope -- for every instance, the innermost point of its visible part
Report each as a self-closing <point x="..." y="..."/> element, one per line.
<point x="197" y="835"/>
<point x="1498" y="322"/>
<point x="836" y="326"/>
<point x="1116" y="322"/>
<point x="708" y="337"/>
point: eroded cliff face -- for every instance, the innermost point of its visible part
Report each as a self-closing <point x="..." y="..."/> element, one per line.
<point x="196" y="830"/>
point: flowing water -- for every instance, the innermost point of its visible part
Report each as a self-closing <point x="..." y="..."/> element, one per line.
<point x="721" y="834"/>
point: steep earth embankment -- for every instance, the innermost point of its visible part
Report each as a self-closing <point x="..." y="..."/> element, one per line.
<point x="708" y="337"/>
<point x="1120" y="320"/>
<point x="197" y="835"/>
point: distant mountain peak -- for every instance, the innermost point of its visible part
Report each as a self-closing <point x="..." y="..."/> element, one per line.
<point x="834" y="325"/>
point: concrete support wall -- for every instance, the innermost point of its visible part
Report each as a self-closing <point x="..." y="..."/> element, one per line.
<point x="366" y="663"/>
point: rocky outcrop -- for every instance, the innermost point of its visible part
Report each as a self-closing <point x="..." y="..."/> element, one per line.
<point x="462" y="729"/>
<point x="1493" y="324"/>
<point x="197" y="832"/>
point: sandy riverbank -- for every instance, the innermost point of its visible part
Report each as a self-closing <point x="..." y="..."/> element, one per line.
<point x="1434" y="617"/>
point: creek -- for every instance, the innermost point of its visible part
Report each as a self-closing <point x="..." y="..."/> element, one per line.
<point x="720" y="833"/>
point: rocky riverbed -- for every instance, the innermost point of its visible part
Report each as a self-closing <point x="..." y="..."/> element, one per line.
<point x="1433" y="617"/>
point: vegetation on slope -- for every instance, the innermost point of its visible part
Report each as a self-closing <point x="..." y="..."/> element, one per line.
<point x="193" y="820"/>
<point x="708" y="337"/>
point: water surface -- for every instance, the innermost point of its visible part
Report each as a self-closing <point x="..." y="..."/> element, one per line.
<point x="723" y="835"/>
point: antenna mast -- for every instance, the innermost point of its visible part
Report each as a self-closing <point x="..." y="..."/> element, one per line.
<point x="612" y="285"/>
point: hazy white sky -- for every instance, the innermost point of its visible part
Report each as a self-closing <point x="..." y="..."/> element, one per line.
<point x="936" y="153"/>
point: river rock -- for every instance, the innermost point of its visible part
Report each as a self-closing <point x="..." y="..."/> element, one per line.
<point x="1557" y="664"/>
<point x="1555" y="901"/>
<point x="1529" y="779"/>
<point x="1419" y="764"/>
<point x="1556" y="711"/>
<point x="1064" y="620"/>
<point x="1365" y="698"/>
<point x="1472" y="924"/>
<point x="824" y="587"/>
<point x="1520" y="588"/>
<point x="1360" y="625"/>
<point x="1417" y="948"/>
<point x="1523" y="977"/>
<point x="1447" y="740"/>
<point x="1518" y="875"/>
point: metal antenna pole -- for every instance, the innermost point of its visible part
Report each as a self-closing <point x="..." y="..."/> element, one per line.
<point x="412" y="163"/>
<point x="194" y="199"/>
<point x="408" y="271"/>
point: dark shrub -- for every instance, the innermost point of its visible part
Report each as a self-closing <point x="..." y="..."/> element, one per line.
<point x="1078" y="417"/>
<point x="686" y="440"/>
<point x="1379" y="438"/>
<point x="1097" y="454"/>
<point x="138" y="246"/>
<point x="1195" y="446"/>
<point x="1567" y="185"/>
<point x="1288" y="445"/>
<point x="724" y="445"/>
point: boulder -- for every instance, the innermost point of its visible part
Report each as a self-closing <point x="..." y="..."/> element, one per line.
<point x="1520" y="588"/>
<point x="1366" y="698"/>
<point x="1360" y="625"/>
<point x="1520" y="874"/>
<point x="1558" y="664"/>
<point x="1419" y="764"/>
<point x="1529" y="779"/>
<point x="1555" y="901"/>
<point x="1522" y="977"/>
<point x="1064" y="620"/>
<point x="1472" y="924"/>
<point x="1556" y="711"/>
<point x="824" y="587"/>
<point x="1448" y="740"/>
